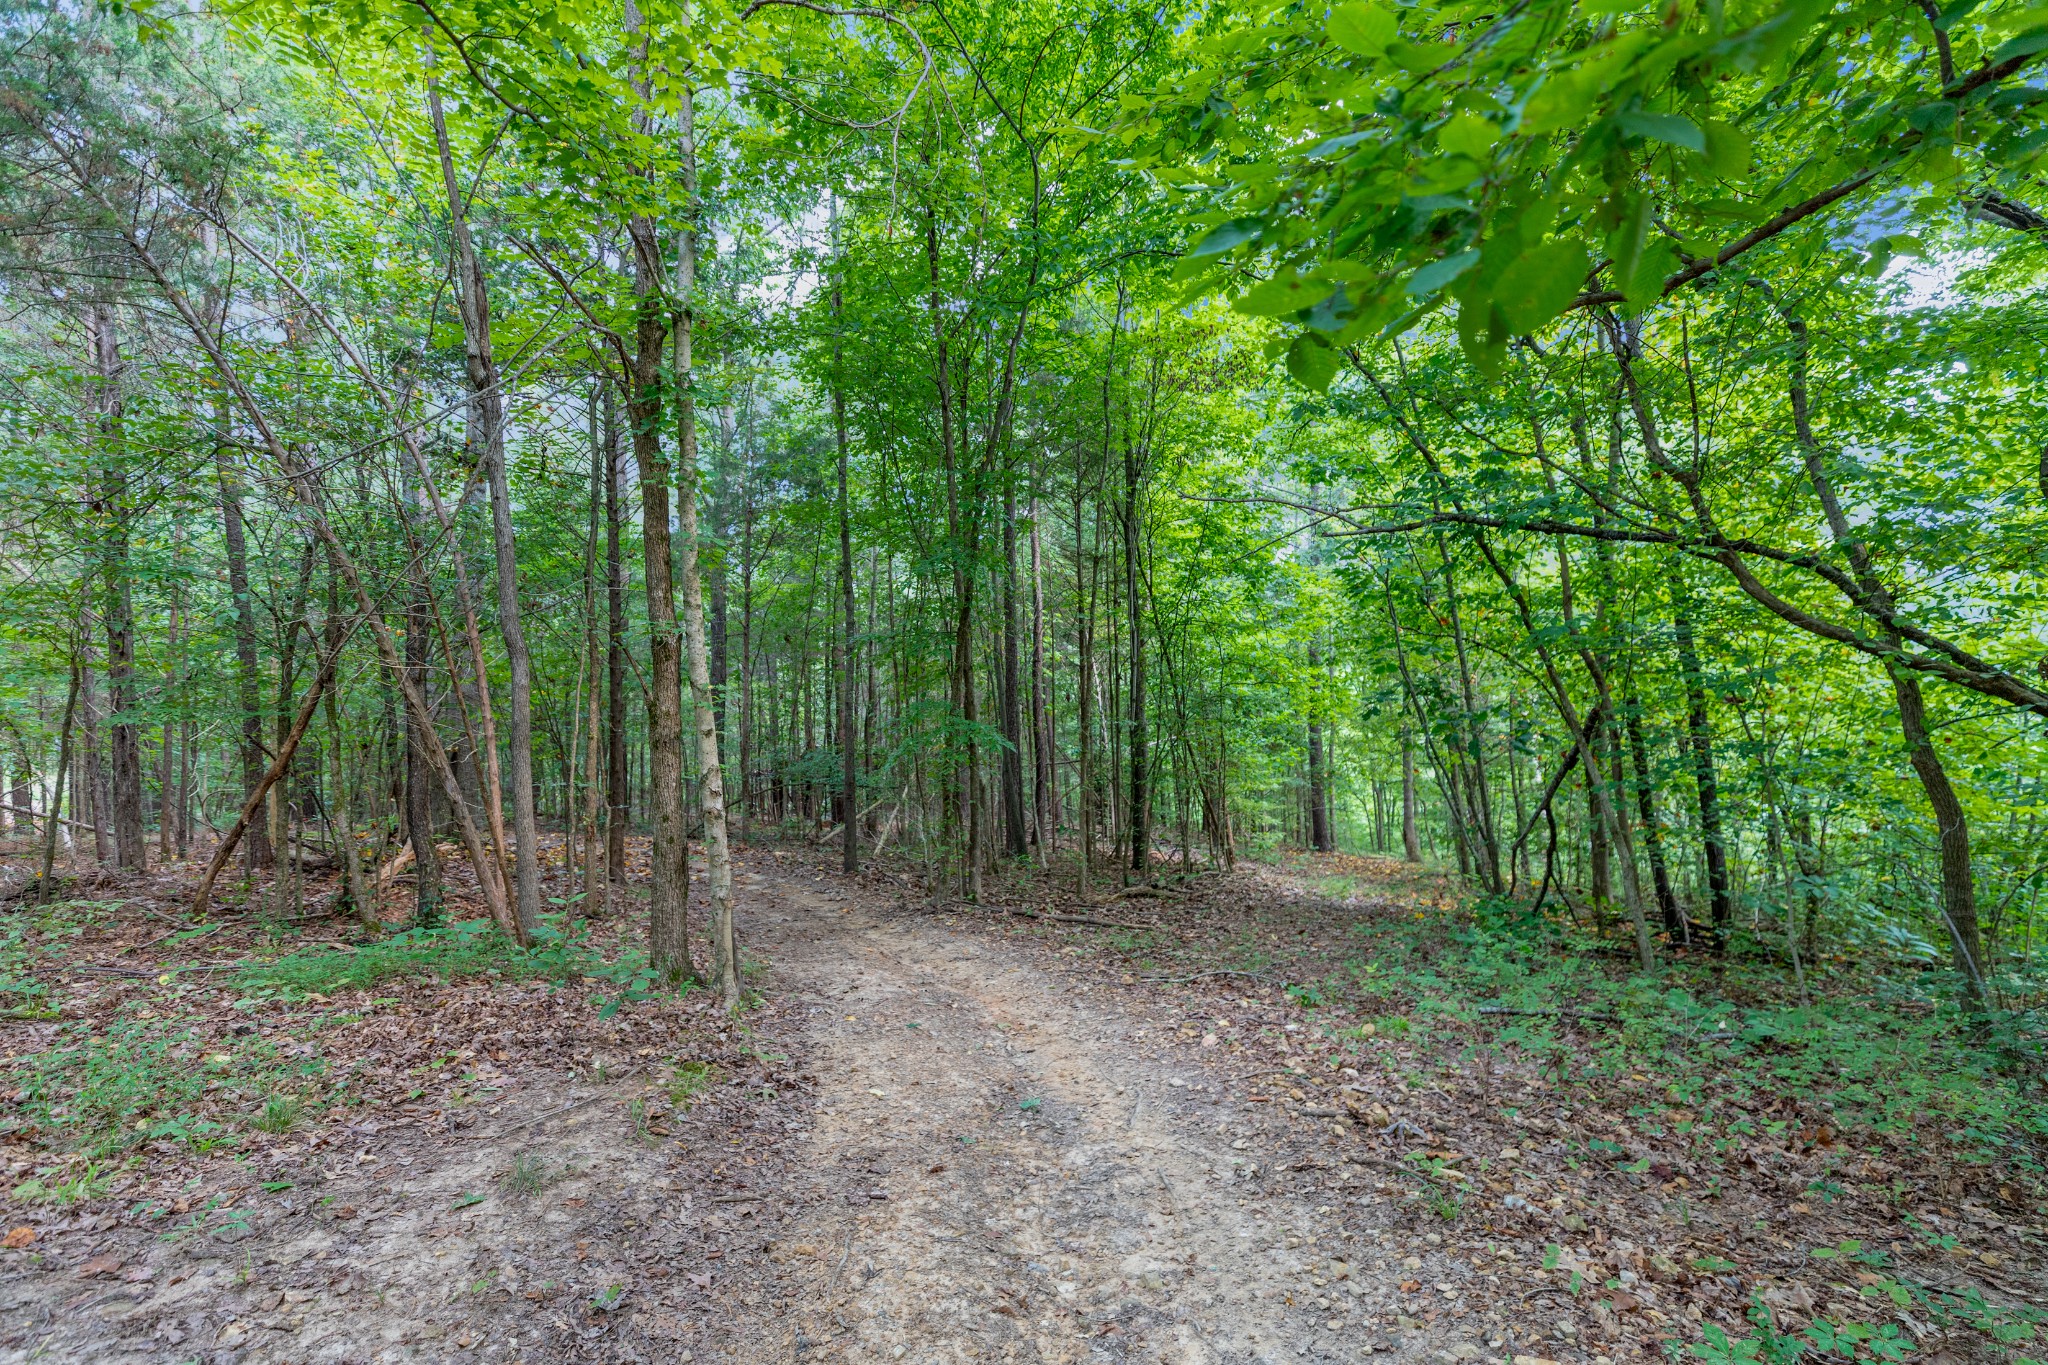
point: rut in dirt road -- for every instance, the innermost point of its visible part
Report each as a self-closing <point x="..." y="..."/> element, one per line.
<point x="1000" y="1173"/>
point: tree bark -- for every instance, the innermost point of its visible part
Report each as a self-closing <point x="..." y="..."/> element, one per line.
<point x="618" y="786"/>
<point x="1700" y="738"/>
<point x="487" y="422"/>
<point x="1411" y="837"/>
<point x="1653" y="834"/>
<point x="1045" y="777"/>
<point x="428" y="895"/>
<point x="117" y="613"/>
<point x="725" y="952"/>
<point x="1958" y="883"/>
<point x="849" y="772"/>
<point x="1140" y="819"/>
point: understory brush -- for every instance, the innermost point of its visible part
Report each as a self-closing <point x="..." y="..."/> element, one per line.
<point x="560" y="953"/>
<point x="1867" y="1050"/>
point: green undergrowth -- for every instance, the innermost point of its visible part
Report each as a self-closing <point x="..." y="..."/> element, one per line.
<point x="159" y="1070"/>
<point x="471" y="948"/>
<point x="1865" y="1052"/>
<point x="103" y="1089"/>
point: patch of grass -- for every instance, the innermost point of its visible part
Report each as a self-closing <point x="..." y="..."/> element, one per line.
<point x="690" y="1080"/>
<point x="529" y="1174"/>
<point x="101" y="1093"/>
<point x="81" y="1184"/>
<point x="560" y="953"/>
<point x="280" y="1114"/>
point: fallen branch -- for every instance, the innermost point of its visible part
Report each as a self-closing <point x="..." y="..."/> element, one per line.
<point x="1153" y="892"/>
<point x="1221" y="971"/>
<point x="1089" y="920"/>
<point x="41" y="815"/>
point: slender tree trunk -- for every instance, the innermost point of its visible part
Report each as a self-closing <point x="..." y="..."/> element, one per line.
<point x="618" y="784"/>
<point x="1411" y="838"/>
<point x="1140" y="818"/>
<point x="118" y="604"/>
<point x="849" y="772"/>
<point x="429" y="897"/>
<point x="1011" y="698"/>
<point x="1318" y="776"/>
<point x="1700" y="737"/>
<point x="56" y="814"/>
<point x="1653" y="835"/>
<point x="668" y="944"/>
<point x="1045" y="777"/>
<point x="1958" y="884"/>
<point x="1084" y="685"/>
<point x="595" y="880"/>
<point x="234" y="537"/>
<point x="487" y="431"/>
<point x="725" y="952"/>
<point x="959" y="532"/>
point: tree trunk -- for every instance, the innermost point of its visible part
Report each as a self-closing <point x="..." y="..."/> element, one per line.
<point x="257" y="854"/>
<point x="1958" y="887"/>
<point x="1045" y="780"/>
<point x="487" y="431"/>
<point x="1411" y="838"/>
<point x="1700" y="736"/>
<point x="849" y="772"/>
<point x="1318" y="776"/>
<point x="668" y="943"/>
<point x="1011" y="699"/>
<point x="725" y="951"/>
<point x="1646" y="810"/>
<point x="1140" y="817"/>
<point x="56" y="812"/>
<point x="428" y="898"/>
<point x="618" y="783"/>
<point x="118" y="600"/>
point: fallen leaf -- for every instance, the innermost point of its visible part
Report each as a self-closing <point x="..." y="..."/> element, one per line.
<point x="99" y="1265"/>
<point x="17" y="1238"/>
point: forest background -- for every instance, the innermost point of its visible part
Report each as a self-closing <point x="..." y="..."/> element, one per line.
<point x="1593" y="448"/>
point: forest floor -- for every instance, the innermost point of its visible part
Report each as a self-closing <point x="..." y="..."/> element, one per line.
<point x="1311" y="1112"/>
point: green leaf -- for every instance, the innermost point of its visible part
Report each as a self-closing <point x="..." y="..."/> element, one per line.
<point x="1226" y="236"/>
<point x="1679" y="132"/>
<point x="1363" y="29"/>
<point x="2023" y="46"/>
<point x="1437" y="274"/>
<point x="1932" y="116"/>
<point x="1728" y="149"/>
<point x="1541" y="284"/>
<point x="1646" y="284"/>
<point x="1468" y="134"/>
<point x="1311" y="361"/>
<point x="1420" y="58"/>
<point x="1276" y="298"/>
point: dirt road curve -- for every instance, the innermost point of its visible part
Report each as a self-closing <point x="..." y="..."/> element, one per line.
<point x="999" y="1171"/>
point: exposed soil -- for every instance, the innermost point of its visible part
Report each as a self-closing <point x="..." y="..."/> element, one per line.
<point x="1004" y="1167"/>
<point x="948" y="1136"/>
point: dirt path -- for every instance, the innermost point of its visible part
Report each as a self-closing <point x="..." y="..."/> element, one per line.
<point x="1000" y="1169"/>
